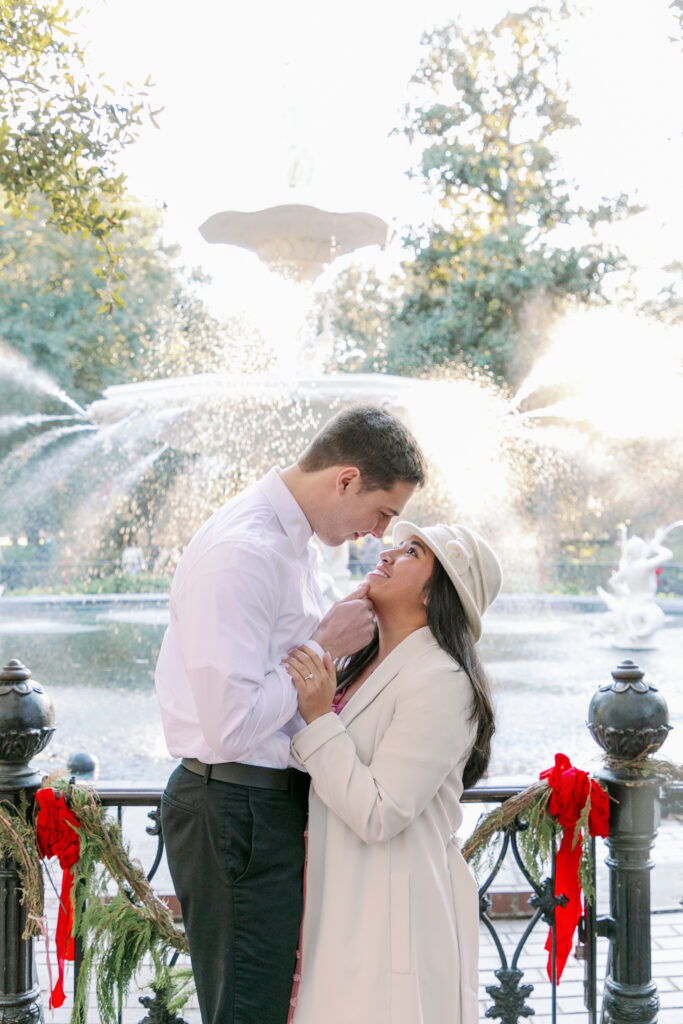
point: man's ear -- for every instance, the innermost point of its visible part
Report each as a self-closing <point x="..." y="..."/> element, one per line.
<point x="345" y="477"/>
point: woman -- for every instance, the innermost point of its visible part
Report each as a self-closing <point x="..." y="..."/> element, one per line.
<point x="390" y="931"/>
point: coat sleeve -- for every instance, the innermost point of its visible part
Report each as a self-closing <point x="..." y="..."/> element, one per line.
<point x="429" y="734"/>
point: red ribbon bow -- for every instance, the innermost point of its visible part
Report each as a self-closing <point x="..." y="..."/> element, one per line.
<point x="570" y="789"/>
<point x="57" y="834"/>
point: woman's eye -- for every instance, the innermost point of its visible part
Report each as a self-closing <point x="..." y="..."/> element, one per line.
<point x="412" y="550"/>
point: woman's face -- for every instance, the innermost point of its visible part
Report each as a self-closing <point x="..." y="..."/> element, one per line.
<point x="401" y="576"/>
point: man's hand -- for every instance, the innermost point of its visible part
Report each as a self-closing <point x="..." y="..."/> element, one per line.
<point x="349" y="624"/>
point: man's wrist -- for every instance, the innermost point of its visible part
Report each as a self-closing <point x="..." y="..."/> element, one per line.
<point x="316" y="646"/>
<point x="321" y="642"/>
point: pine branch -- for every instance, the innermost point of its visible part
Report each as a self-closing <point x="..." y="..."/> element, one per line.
<point x="17" y="841"/>
<point x="648" y="766"/>
<point x="503" y="818"/>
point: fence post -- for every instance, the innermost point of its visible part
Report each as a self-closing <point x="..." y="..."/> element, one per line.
<point x="629" y="719"/>
<point x="26" y="727"/>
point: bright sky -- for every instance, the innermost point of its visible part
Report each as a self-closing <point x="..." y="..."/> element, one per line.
<point x="247" y="85"/>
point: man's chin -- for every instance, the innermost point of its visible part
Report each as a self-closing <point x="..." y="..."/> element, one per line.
<point x="332" y="542"/>
<point x="336" y="542"/>
<point x="349" y="539"/>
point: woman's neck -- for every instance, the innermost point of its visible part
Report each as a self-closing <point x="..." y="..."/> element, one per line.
<point x="391" y="634"/>
<point x="394" y="630"/>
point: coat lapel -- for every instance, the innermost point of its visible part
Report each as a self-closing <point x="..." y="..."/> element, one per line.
<point x="408" y="650"/>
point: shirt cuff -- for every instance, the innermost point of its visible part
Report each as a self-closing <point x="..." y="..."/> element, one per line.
<point x="315" y="735"/>
<point x="315" y="646"/>
<point x="286" y="695"/>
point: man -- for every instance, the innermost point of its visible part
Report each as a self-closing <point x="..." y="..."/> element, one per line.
<point x="245" y="592"/>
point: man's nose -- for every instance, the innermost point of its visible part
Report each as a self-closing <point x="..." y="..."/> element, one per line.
<point x="380" y="526"/>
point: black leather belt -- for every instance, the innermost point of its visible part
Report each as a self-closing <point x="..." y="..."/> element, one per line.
<point x="242" y="774"/>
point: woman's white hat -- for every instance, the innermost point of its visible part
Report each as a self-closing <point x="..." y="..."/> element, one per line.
<point x="472" y="566"/>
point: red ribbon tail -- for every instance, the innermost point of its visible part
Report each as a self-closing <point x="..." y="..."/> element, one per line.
<point x="57" y="997"/>
<point x="567" y="917"/>
<point x="63" y="938"/>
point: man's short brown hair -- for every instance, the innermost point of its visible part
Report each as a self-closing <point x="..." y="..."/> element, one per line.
<point x="374" y="441"/>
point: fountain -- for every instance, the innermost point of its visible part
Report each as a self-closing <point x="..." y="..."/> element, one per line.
<point x="154" y="459"/>
<point x="541" y="473"/>
<point x="296" y="240"/>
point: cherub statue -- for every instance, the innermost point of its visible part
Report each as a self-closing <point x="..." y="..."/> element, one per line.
<point x="634" y="616"/>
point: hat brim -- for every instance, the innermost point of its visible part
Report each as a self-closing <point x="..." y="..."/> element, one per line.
<point x="402" y="531"/>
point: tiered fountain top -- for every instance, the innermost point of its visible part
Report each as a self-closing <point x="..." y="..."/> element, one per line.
<point x="296" y="240"/>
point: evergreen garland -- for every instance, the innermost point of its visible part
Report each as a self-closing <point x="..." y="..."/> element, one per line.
<point x="118" y="932"/>
<point x="18" y="843"/>
<point x="537" y="829"/>
<point x="122" y="930"/>
<point x="527" y="814"/>
<point x="646" y="766"/>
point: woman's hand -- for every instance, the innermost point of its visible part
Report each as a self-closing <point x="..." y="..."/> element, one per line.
<point x="315" y="681"/>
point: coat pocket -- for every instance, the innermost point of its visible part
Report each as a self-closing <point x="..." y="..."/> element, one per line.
<point x="400" y="923"/>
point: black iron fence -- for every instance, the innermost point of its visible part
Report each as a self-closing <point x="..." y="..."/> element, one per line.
<point x="511" y="999"/>
<point x="24" y="569"/>
<point x="627" y="717"/>
<point x="584" y="577"/>
<point x="66" y="575"/>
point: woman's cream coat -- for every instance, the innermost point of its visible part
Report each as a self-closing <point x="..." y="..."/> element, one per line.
<point x="391" y="924"/>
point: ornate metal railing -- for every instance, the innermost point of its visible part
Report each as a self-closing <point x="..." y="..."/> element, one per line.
<point x="119" y="799"/>
<point x="627" y="717"/>
<point x="509" y="998"/>
<point x="512" y="998"/>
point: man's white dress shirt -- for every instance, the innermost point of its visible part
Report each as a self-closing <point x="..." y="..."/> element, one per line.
<point x="245" y="592"/>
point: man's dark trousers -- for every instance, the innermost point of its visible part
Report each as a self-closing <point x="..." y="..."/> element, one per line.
<point x="236" y="856"/>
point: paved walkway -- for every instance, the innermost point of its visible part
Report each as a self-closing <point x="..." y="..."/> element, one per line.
<point x="667" y="957"/>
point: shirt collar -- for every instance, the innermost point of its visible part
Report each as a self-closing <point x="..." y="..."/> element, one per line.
<point x="289" y="512"/>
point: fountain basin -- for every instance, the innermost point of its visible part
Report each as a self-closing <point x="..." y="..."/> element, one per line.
<point x="96" y="658"/>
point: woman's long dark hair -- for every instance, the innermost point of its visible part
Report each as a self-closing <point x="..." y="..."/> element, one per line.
<point x="447" y="620"/>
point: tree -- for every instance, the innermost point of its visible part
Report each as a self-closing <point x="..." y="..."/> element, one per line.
<point x="485" y="279"/>
<point x="48" y="302"/>
<point x="677" y="9"/>
<point x="667" y="305"/>
<point x="48" y="307"/>
<point x="59" y="134"/>
<point x="360" y="308"/>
